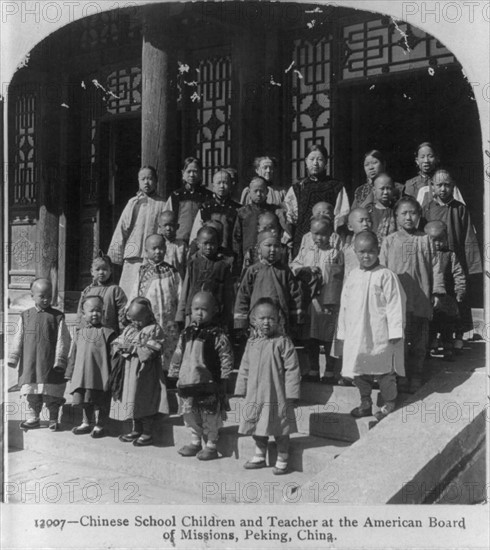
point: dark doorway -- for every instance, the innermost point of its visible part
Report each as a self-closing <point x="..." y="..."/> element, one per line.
<point x="120" y="162"/>
<point x="394" y="115"/>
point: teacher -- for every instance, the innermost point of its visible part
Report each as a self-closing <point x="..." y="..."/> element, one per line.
<point x="316" y="187"/>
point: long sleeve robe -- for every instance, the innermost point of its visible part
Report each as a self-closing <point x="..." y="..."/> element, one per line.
<point x="269" y="375"/>
<point x="372" y="311"/>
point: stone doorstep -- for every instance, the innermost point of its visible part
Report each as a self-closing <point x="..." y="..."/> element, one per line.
<point x="424" y="446"/>
<point x="210" y="481"/>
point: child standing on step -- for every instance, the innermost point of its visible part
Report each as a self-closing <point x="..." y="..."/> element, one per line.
<point x="411" y="255"/>
<point x="269" y="378"/>
<point x="202" y="362"/>
<point x="113" y="296"/>
<point x="144" y="392"/>
<point x="176" y="250"/>
<point x="90" y="367"/>
<point x="371" y="323"/>
<point x="321" y="268"/>
<point x="40" y="347"/>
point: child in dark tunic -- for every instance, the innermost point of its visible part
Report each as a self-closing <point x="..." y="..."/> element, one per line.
<point x="207" y="270"/>
<point x="113" y="296"/>
<point x="40" y="347"/>
<point x="144" y="393"/>
<point x="461" y="237"/>
<point x="381" y="210"/>
<point x="269" y="277"/>
<point x="90" y="367"/>
<point x="269" y="379"/>
<point x="245" y="230"/>
<point x="202" y="363"/>
<point x="446" y="320"/>
<point x="221" y="207"/>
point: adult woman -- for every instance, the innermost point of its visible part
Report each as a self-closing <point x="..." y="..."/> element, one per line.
<point x="420" y="187"/>
<point x="138" y="220"/>
<point x="265" y="168"/>
<point x="374" y="164"/>
<point x="316" y="187"/>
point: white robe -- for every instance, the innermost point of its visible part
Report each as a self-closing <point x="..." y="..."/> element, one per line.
<point x="372" y="311"/>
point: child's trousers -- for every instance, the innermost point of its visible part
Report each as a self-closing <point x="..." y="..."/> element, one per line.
<point x="203" y="423"/>
<point x="387" y="386"/>
<point x="35" y="404"/>
<point x="282" y="443"/>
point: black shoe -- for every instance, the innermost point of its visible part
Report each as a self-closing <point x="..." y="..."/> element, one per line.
<point x="97" y="433"/>
<point x="81" y="430"/>
<point x="361" y="412"/>
<point x="143" y="441"/>
<point x="129" y="438"/>
<point x="26" y="425"/>
<point x="189" y="450"/>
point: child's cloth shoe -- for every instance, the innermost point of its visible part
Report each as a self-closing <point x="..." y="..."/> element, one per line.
<point x="97" y="433"/>
<point x="81" y="430"/>
<point x="27" y="425"/>
<point x="189" y="450"/>
<point x="415" y="384"/>
<point x="363" y="410"/>
<point x="385" y="410"/>
<point x="207" y="454"/>
<point x="128" y="438"/>
<point x="54" y="426"/>
<point x="345" y="381"/>
<point x="458" y="345"/>
<point x="281" y="471"/>
<point x="251" y="465"/>
<point x="143" y="441"/>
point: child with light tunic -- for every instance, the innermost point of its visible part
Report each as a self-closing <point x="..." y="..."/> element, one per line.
<point x="371" y="325"/>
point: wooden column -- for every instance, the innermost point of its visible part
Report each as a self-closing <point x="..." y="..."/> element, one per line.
<point x="159" y="105"/>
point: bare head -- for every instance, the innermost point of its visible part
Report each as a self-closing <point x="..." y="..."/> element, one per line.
<point x="42" y="293"/>
<point x="359" y="220"/>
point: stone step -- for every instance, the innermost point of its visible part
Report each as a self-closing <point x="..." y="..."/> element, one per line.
<point x="222" y="480"/>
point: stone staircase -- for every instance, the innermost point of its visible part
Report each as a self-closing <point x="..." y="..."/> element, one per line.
<point x="327" y="434"/>
<point x="325" y="427"/>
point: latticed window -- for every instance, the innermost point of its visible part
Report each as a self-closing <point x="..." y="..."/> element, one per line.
<point x="382" y="46"/>
<point x="25" y="167"/>
<point x="213" y="113"/>
<point x="310" y="99"/>
<point x="124" y="87"/>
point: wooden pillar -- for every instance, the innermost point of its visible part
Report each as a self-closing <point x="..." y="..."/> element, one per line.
<point x="249" y="84"/>
<point x="159" y="99"/>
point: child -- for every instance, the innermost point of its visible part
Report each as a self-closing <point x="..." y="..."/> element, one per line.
<point x="381" y="210"/>
<point x="40" y="347"/>
<point x="410" y="254"/>
<point x="420" y="187"/>
<point x="113" y="296"/>
<point x="144" y="393"/>
<point x="446" y="319"/>
<point x="265" y="168"/>
<point x="90" y="367"/>
<point x="138" y="220"/>
<point x="359" y="220"/>
<point x="185" y="202"/>
<point x="207" y="271"/>
<point x="222" y="206"/>
<point x="269" y="378"/>
<point x="321" y="266"/>
<point x="268" y="278"/>
<point x="322" y="210"/>
<point x="267" y="221"/>
<point x="203" y="361"/>
<point x="245" y="230"/>
<point x="160" y="283"/>
<point x="461" y="237"/>
<point x="371" y="322"/>
<point x="176" y="250"/>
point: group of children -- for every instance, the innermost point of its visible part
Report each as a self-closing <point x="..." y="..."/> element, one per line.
<point x="210" y="273"/>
